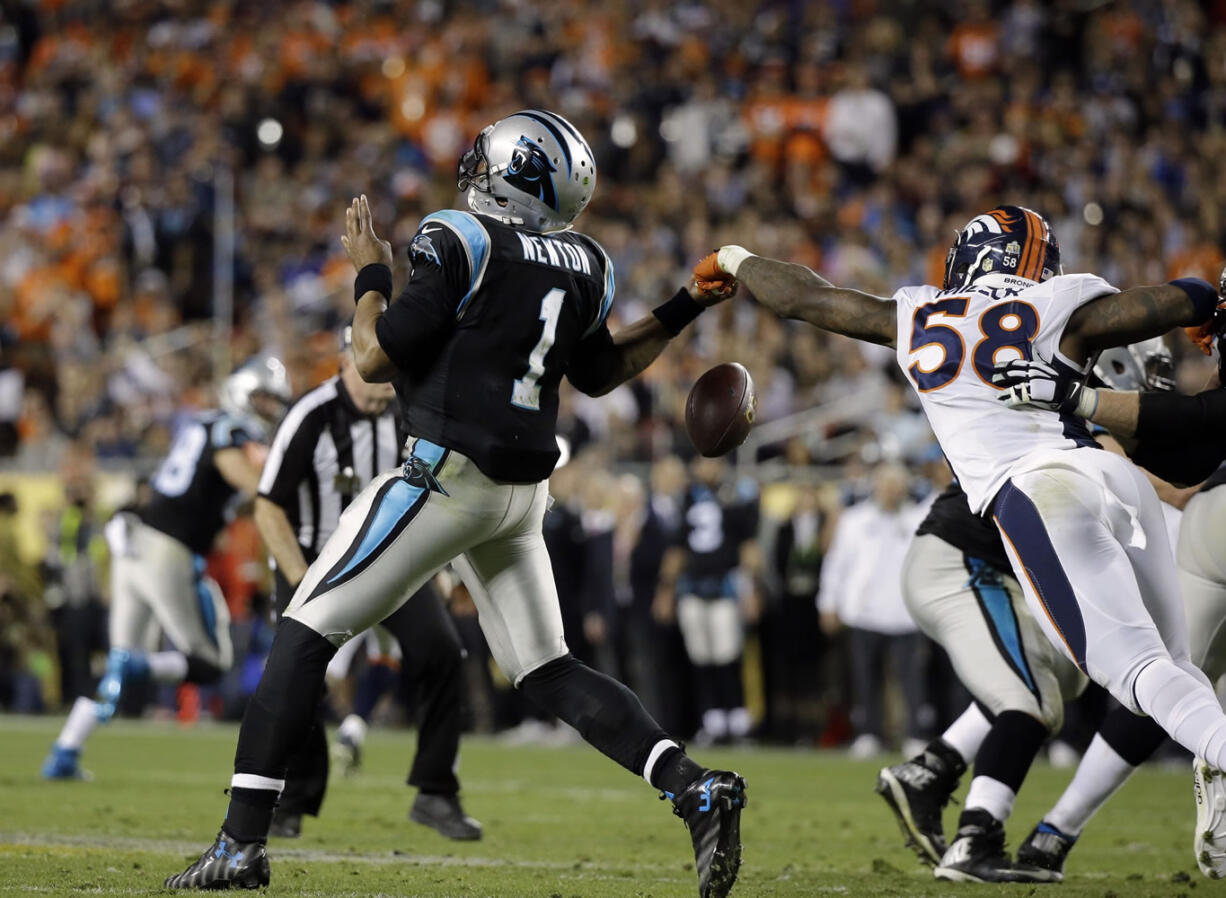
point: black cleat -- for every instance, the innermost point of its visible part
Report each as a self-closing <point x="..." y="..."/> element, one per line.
<point x="917" y="791"/>
<point x="225" y="864"/>
<point x="977" y="853"/>
<point x="1041" y="857"/>
<point x="444" y="814"/>
<point x="285" y="826"/>
<point x="711" y="808"/>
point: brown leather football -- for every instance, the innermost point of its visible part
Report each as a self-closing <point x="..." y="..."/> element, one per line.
<point x="720" y="408"/>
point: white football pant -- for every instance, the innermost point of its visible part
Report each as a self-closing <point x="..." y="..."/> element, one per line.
<point x="400" y="530"/>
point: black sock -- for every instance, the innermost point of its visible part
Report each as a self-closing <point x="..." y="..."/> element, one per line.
<point x="947" y="756"/>
<point x="278" y="718"/>
<point x="1010" y="748"/>
<point x="249" y="814"/>
<point x="1007" y="752"/>
<point x="1133" y="738"/>
<point x="607" y="714"/>
<point x="674" y="771"/>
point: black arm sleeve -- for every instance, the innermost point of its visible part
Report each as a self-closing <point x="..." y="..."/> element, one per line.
<point x="594" y="362"/>
<point x="425" y="310"/>
<point x="1181" y="439"/>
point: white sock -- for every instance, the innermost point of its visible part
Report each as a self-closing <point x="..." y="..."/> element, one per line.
<point x="653" y="757"/>
<point x="1101" y="772"/>
<point x="967" y="733"/>
<point x="80" y="723"/>
<point x="715" y="722"/>
<point x="991" y="795"/>
<point x="168" y="667"/>
<point x="254" y="781"/>
<point x="739" y="722"/>
<point x="353" y="728"/>
<point x="1186" y="707"/>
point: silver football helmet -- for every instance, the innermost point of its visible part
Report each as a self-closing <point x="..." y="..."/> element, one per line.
<point x="257" y="393"/>
<point x="1146" y="366"/>
<point x="532" y="168"/>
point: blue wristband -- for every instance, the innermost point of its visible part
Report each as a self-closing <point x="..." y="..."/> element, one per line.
<point x="1202" y="294"/>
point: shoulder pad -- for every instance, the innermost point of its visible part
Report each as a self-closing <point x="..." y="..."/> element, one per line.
<point x="448" y="234"/>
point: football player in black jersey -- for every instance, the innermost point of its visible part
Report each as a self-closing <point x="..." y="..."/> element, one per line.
<point x="157" y="550"/>
<point x="503" y="302"/>
<point x="707" y="582"/>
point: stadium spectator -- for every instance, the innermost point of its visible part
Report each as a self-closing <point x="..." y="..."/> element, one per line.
<point x="73" y="575"/>
<point x="861" y="589"/>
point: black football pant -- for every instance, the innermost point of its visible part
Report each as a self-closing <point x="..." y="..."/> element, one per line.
<point x="431" y="668"/>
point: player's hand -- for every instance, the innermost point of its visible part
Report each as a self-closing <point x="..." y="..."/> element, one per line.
<point x="1204" y="335"/>
<point x="360" y="240"/>
<point x="1036" y="384"/>
<point x="830" y="623"/>
<point x="708" y="276"/>
<point x="708" y="293"/>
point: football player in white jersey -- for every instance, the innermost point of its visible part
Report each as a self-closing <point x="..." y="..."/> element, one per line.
<point x="1083" y="528"/>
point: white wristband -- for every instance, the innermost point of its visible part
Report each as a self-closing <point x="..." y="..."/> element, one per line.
<point x="1087" y="403"/>
<point x="730" y="257"/>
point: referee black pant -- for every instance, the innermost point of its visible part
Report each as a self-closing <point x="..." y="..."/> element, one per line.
<point x="431" y="662"/>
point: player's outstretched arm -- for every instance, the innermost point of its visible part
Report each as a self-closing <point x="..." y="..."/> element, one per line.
<point x="604" y="360"/>
<point x="1140" y="313"/>
<point x="794" y="291"/>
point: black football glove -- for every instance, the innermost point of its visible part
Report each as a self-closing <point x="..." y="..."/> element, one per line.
<point x="1037" y="384"/>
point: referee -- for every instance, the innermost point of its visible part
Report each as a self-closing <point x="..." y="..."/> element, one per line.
<point x="332" y="442"/>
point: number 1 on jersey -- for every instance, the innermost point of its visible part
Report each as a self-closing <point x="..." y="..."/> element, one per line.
<point x="526" y="392"/>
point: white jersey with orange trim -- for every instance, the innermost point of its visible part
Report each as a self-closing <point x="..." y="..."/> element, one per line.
<point x="949" y="342"/>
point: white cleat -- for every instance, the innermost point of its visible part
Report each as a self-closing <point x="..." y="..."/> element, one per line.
<point x="1209" y="787"/>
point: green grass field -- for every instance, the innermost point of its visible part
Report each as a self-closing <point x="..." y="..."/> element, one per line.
<point x="558" y="823"/>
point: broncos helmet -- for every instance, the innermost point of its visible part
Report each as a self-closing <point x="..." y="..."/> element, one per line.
<point x="1146" y="366"/>
<point x="532" y="168"/>
<point x="1010" y="240"/>
<point x="257" y="393"/>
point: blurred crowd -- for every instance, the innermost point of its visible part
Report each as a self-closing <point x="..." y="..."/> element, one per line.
<point x="164" y="160"/>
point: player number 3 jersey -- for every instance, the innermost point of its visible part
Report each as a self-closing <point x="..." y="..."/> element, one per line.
<point x="949" y="342"/>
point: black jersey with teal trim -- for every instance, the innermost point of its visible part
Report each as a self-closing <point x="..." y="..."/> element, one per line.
<point x="190" y="497"/>
<point x="714" y="527"/>
<point x="951" y="518"/>
<point x="490" y="321"/>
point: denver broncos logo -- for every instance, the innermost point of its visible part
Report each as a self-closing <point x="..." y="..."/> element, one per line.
<point x="529" y="170"/>
<point x="995" y="222"/>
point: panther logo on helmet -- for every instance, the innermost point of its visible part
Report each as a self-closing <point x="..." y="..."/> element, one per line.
<point x="529" y="170"/>
<point x="532" y="168"/>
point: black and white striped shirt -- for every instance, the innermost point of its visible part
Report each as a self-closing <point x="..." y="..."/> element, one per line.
<point x="323" y="454"/>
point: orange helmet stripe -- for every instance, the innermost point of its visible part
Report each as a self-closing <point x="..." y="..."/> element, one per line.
<point x="1030" y="266"/>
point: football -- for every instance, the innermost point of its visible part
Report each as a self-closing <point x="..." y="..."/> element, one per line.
<point x="720" y="408"/>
